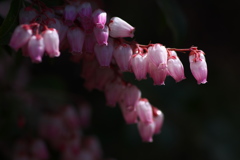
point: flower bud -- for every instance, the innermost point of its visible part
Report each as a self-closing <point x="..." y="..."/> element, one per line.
<point x="99" y="18"/>
<point x="76" y="37"/>
<point x="139" y="65"/>
<point x="175" y="67"/>
<point x="130" y="96"/>
<point x="157" y="54"/>
<point x="70" y="14"/>
<point x="146" y="131"/>
<point x="144" y="111"/>
<point x="101" y="35"/>
<point x="20" y="37"/>
<point x="36" y="48"/>
<point x="104" y="53"/>
<point x="51" y="42"/>
<point x="119" y="28"/>
<point x="198" y="66"/>
<point x="158" y="75"/>
<point x="122" y="55"/>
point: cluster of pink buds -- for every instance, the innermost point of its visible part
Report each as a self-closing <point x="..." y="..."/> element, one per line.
<point x="99" y="45"/>
<point x="33" y="44"/>
<point x="63" y="132"/>
<point x="30" y="149"/>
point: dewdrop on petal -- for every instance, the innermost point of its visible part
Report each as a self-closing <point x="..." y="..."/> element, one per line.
<point x="119" y="28"/>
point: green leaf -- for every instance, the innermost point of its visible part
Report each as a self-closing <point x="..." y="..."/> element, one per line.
<point x="175" y="19"/>
<point x="10" y="22"/>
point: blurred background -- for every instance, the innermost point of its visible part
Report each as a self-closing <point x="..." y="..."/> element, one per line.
<point x="201" y="121"/>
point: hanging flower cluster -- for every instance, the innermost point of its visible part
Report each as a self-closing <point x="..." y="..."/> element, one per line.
<point x="99" y="45"/>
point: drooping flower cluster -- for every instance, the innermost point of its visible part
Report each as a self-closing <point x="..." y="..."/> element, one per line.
<point x="63" y="132"/>
<point x="84" y="31"/>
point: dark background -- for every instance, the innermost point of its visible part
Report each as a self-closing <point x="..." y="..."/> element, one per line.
<point x="201" y="121"/>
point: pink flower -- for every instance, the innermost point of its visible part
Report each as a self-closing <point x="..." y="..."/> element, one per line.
<point x="130" y="96"/>
<point x="70" y="14"/>
<point x="158" y="118"/>
<point x="198" y="66"/>
<point x="158" y="75"/>
<point x="85" y="16"/>
<point x="89" y="43"/>
<point x="104" y="53"/>
<point x="76" y="38"/>
<point x="99" y="18"/>
<point x="113" y="91"/>
<point x="122" y="55"/>
<point x="157" y="54"/>
<point x="146" y="131"/>
<point x="119" y="28"/>
<point x="144" y="111"/>
<point x="36" y="48"/>
<point x="139" y="64"/>
<point x="175" y="67"/>
<point x="20" y="37"/>
<point x="101" y="35"/>
<point x="51" y="42"/>
<point x="130" y="116"/>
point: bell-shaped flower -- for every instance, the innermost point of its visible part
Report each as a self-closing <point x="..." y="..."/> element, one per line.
<point x="20" y="37"/>
<point x="104" y="53"/>
<point x="89" y="43"/>
<point x="158" y="118"/>
<point x="70" y="14"/>
<point x="158" y="75"/>
<point x="139" y="65"/>
<point x="85" y="16"/>
<point x="101" y="35"/>
<point x="122" y="55"/>
<point x="157" y="54"/>
<point x="146" y="131"/>
<point x="175" y="67"/>
<point x="99" y="18"/>
<point x="198" y="66"/>
<point x="36" y="48"/>
<point x="130" y="96"/>
<point x="51" y="42"/>
<point x="144" y="110"/>
<point x="113" y="91"/>
<point x="130" y="116"/>
<point x="76" y="38"/>
<point x="119" y="28"/>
